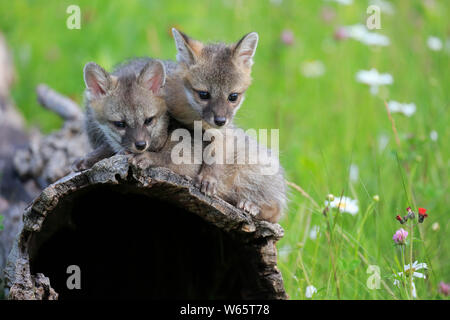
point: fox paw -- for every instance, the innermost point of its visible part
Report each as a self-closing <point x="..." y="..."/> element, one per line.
<point x="140" y="161"/>
<point x="80" y="164"/>
<point x="207" y="184"/>
<point x="249" y="207"/>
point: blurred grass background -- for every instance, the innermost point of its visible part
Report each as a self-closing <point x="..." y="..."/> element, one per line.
<point x="326" y="123"/>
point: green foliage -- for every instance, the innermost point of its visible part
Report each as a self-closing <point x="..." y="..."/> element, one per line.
<point x="326" y="123"/>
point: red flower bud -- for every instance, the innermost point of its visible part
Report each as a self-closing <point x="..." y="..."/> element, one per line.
<point x="422" y="214"/>
<point x="400" y="219"/>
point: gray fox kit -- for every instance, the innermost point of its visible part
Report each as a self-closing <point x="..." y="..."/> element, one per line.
<point x="208" y="85"/>
<point x="125" y="110"/>
<point x="242" y="185"/>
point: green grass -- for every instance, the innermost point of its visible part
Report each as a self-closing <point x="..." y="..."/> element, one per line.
<point x="325" y="123"/>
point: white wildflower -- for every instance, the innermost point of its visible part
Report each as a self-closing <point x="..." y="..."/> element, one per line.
<point x="415" y="266"/>
<point x="310" y="290"/>
<point x="354" y="172"/>
<point x="434" y="135"/>
<point x="345" y="204"/>
<point x="312" y="69"/>
<point x="408" y="109"/>
<point x="434" y="43"/>
<point x="360" y="33"/>
<point x="313" y="232"/>
<point x="374" y="79"/>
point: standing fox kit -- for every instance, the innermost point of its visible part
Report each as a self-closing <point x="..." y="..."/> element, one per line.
<point x="208" y="85"/>
<point x="125" y="110"/>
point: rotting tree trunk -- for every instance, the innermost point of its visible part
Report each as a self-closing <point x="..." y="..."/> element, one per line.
<point x="141" y="234"/>
<point x="133" y="233"/>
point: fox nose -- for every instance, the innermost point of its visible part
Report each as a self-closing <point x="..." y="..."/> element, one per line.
<point x="140" y="145"/>
<point x="220" y="121"/>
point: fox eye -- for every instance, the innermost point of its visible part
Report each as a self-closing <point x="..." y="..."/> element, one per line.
<point x="204" y="95"/>
<point x="148" y="121"/>
<point x="232" y="97"/>
<point x="119" y="124"/>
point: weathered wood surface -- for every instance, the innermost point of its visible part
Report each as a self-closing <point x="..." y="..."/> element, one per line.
<point x="256" y="238"/>
<point x="34" y="166"/>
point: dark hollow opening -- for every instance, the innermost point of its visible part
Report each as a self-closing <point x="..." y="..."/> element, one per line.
<point x="128" y="245"/>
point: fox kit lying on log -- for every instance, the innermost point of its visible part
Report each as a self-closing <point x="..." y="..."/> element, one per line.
<point x="125" y="110"/>
<point x="243" y="184"/>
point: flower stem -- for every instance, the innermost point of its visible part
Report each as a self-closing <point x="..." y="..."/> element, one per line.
<point x="411" y="229"/>
<point x="403" y="271"/>
<point x="300" y="260"/>
<point x="365" y="216"/>
<point x="331" y="246"/>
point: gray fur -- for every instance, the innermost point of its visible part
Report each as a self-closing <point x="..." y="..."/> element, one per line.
<point x="131" y="94"/>
<point x="259" y="194"/>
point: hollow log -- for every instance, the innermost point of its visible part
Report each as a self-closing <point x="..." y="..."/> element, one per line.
<point x="141" y="234"/>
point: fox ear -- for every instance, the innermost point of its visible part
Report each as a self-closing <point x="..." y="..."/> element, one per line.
<point x="188" y="49"/>
<point x="97" y="80"/>
<point x="153" y="76"/>
<point x="244" y="49"/>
